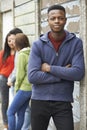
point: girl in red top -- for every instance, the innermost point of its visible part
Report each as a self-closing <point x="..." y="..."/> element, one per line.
<point x="6" y="67"/>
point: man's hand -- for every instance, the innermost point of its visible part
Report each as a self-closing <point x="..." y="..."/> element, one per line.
<point x="69" y="65"/>
<point x="45" y="67"/>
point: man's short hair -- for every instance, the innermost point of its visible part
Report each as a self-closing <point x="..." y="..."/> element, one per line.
<point x="56" y="7"/>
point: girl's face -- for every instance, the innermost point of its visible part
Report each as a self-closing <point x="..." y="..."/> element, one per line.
<point x="11" y="41"/>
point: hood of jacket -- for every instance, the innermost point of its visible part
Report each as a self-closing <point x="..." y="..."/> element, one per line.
<point x="45" y="39"/>
<point x="25" y="50"/>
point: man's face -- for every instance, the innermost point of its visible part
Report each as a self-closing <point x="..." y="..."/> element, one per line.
<point x="56" y="20"/>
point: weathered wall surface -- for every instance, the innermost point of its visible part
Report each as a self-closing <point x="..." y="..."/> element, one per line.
<point x="0" y="31"/>
<point x="7" y="17"/>
<point x="24" y="17"/>
<point x="83" y="88"/>
<point x="6" y="5"/>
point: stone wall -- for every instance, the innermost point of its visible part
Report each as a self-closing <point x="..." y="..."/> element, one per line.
<point x="24" y="17"/>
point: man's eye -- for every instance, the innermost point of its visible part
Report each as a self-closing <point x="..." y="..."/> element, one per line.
<point x="52" y="18"/>
<point x="61" y="18"/>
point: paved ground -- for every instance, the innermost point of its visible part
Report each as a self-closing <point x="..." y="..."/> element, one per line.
<point x="1" y="124"/>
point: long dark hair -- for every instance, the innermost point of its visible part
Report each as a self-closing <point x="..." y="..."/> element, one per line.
<point x="7" y="49"/>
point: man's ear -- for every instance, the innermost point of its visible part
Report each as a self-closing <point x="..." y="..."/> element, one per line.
<point x="65" y="20"/>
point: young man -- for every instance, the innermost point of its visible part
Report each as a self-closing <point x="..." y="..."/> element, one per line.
<point x="56" y="61"/>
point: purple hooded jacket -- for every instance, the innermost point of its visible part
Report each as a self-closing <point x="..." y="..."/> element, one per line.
<point x="57" y="85"/>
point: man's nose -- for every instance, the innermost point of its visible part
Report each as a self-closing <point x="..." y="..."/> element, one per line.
<point x="56" y="20"/>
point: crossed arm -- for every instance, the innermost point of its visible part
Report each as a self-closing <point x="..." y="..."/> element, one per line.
<point x="46" y="67"/>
